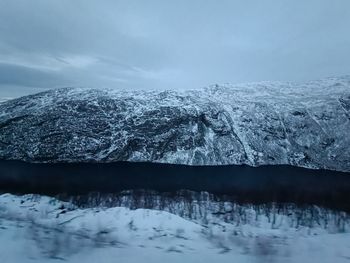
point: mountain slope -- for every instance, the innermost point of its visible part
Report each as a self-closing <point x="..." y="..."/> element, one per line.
<point x="260" y="123"/>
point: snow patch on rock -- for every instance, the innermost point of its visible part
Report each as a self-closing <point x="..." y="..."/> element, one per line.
<point x="257" y="123"/>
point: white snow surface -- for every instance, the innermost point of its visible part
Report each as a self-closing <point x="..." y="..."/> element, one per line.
<point x="43" y="229"/>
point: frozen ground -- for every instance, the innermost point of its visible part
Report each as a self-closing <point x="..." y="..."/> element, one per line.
<point x="43" y="229"/>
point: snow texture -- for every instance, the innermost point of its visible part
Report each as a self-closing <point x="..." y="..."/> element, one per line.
<point x="256" y="124"/>
<point x="42" y="229"/>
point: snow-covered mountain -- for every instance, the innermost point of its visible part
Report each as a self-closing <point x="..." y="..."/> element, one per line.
<point x="259" y="123"/>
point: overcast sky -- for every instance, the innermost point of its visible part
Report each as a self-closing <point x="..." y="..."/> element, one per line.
<point x="169" y="44"/>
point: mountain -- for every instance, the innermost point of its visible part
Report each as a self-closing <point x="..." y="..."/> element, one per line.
<point x="256" y="124"/>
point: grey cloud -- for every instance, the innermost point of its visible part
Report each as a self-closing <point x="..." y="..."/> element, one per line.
<point x="23" y="76"/>
<point x="170" y="44"/>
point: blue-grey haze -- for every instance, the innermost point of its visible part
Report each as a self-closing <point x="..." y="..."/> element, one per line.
<point x="169" y="44"/>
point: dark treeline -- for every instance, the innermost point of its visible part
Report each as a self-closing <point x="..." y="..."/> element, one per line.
<point x="204" y="207"/>
<point x="244" y="184"/>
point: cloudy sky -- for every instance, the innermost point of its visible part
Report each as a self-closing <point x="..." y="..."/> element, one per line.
<point x="169" y="44"/>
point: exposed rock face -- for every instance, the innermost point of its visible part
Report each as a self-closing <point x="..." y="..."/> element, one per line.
<point x="263" y="123"/>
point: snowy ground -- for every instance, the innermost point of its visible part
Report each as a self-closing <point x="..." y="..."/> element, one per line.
<point x="43" y="229"/>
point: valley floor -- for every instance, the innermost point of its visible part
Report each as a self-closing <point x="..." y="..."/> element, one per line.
<point x="44" y="229"/>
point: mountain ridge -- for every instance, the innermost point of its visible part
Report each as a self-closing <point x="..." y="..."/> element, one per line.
<point x="255" y="124"/>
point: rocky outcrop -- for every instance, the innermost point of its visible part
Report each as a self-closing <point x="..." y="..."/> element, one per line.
<point x="261" y="123"/>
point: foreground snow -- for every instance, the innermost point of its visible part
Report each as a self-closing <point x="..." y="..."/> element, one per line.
<point x="43" y="229"/>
